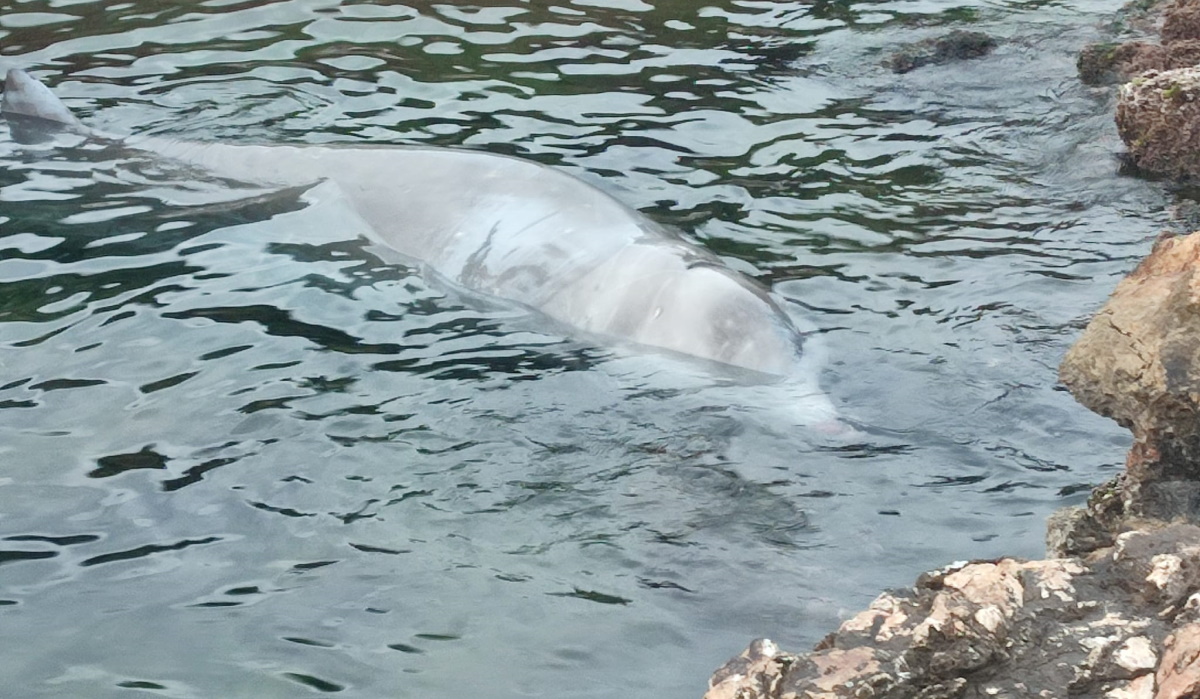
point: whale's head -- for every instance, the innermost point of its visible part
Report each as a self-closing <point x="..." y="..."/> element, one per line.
<point x="710" y="312"/>
<point x="706" y="310"/>
<point x="660" y="294"/>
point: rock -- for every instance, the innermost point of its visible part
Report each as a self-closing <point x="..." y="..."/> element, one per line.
<point x="1158" y="117"/>
<point x="1157" y="110"/>
<point x="755" y="674"/>
<point x="1178" y="676"/>
<point x="1181" y="20"/>
<point x="1138" y="362"/>
<point x="1074" y="531"/>
<point x="1178" y="27"/>
<point x="1140" y="688"/>
<point x="957" y="45"/>
<point x="1098" y="63"/>
<point x="1119" y="624"/>
<point x="1109" y="63"/>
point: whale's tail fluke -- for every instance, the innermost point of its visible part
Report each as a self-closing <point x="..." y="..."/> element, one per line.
<point x="32" y="110"/>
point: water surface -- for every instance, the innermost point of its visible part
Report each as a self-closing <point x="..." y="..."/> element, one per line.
<point x="246" y="454"/>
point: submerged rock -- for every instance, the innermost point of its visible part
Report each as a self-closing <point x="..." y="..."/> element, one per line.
<point x="1107" y="63"/>
<point x="1139" y="17"/>
<point x="1122" y="623"/>
<point x="957" y="45"/>
<point x="1158" y="117"/>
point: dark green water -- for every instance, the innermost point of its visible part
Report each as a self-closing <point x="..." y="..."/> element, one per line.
<point x="242" y="456"/>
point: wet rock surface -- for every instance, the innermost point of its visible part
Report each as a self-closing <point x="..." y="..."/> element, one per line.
<point x="1110" y="63"/>
<point x="1158" y="109"/>
<point x="1158" y="118"/>
<point x="1121" y="622"/>
<point x="956" y="46"/>
<point x="1138" y="362"/>
<point x="1181" y="21"/>
<point x="1166" y="37"/>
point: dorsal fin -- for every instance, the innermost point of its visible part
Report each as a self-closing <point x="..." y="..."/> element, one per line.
<point x="32" y="109"/>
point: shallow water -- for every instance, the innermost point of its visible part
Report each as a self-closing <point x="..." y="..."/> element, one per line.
<point x="244" y="455"/>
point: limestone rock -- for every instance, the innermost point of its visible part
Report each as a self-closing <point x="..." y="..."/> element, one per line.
<point x="1074" y="531"/>
<point x="1178" y="25"/>
<point x="1107" y="63"/>
<point x="1158" y="117"/>
<point x="1179" y="674"/>
<point x="1120" y="624"/>
<point x="1138" y="362"/>
<point x="755" y="674"/>
<point x="1110" y="63"/>
<point x="1181" y="21"/>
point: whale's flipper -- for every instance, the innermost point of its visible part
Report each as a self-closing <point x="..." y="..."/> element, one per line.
<point x="32" y="110"/>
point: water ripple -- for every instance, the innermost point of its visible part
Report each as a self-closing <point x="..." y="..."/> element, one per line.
<point x="410" y="483"/>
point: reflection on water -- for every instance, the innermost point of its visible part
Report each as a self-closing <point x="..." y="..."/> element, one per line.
<point x="245" y="453"/>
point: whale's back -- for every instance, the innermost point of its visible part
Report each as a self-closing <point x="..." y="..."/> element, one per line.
<point x="510" y="228"/>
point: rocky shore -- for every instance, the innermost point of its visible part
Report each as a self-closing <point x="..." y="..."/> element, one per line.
<point x="1118" y="623"/>
<point x="1114" y="612"/>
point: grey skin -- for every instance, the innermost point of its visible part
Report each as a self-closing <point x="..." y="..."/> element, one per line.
<point x="513" y="229"/>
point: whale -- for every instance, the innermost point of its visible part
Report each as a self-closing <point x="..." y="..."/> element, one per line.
<point x="514" y="229"/>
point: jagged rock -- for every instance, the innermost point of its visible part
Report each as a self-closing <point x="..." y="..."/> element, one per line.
<point x="1120" y="624"/>
<point x="1075" y="531"/>
<point x="1179" y="674"/>
<point x="1181" y="20"/>
<point x="755" y="674"/>
<point x="1158" y="117"/>
<point x="1178" y="26"/>
<point x="957" y="45"/>
<point x="1138" y="362"/>
<point x="1109" y="63"/>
